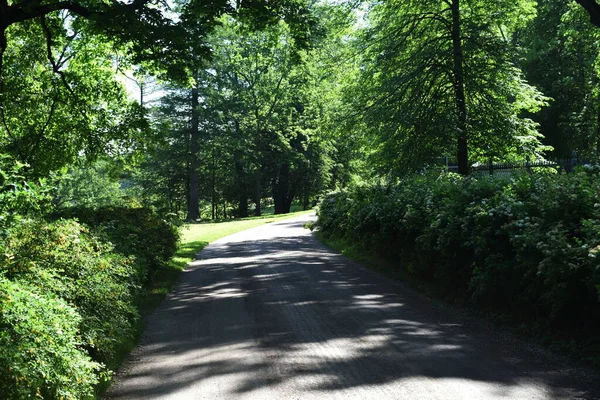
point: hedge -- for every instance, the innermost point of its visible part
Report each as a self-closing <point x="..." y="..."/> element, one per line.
<point x="528" y="245"/>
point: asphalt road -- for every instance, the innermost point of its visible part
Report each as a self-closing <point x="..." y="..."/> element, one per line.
<point x="269" y="313"/>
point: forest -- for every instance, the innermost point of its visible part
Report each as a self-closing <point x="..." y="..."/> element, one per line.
<point x="120" y="120"/>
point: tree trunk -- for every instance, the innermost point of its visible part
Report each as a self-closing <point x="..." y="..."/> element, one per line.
<point x="3" y="45"/>
<point x="305" y="201"/>
<point x="257" y="194"/>
<point x="241" y="181"/>
<point x="213" y="195"/>
<point x="283" y="192"/>
<point x="598" y="134"/>
<point x="243" y="206"/>
<point x="193" y="212"/>
<point x="462" y="154"/>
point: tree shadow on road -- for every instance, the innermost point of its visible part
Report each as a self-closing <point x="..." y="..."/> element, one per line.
<point x="291" y="313"/>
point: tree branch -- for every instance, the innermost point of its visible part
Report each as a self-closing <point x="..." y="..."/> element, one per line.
<point x="23" y="12"/>
<point x="55" y="66"/>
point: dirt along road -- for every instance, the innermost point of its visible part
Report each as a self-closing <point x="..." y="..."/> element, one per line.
<point x="270" y="313"/>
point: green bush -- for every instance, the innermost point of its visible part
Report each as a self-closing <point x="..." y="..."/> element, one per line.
<point x="19" y="198"/>
<point x="527" y="245"/>
<point x="63" y="260"/>
<point x="69" y="291"/>
<point x="40" y="354"/>
<point x="134" y="232"/>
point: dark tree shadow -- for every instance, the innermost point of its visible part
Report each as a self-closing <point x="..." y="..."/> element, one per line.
<point x="289" y="311"/>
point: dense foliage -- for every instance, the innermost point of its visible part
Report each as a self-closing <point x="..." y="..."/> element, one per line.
<point x="69" y="292"/>
<point x="439" y="78"/>
<point x="81" y="308"/>
<point x="65" y="260"/>
<point x="528" y="245"/>
<point x="246" y="130"/>
<point x="40" y="353"/>
<point x="140" y="233"/>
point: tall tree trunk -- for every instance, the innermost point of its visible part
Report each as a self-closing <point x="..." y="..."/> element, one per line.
<point x="283" y="190"/>
<point x="243" y="206"/>
<point x="3" y="45"/>
<point x="305" y="200"/>
<point x="257" y="194"/>
<point x="213" y="195"/>
<point x="193" y="178"/>
<point x="462" y="154"/>
<point x="598" y="134"/>
<point x="242" y="189"/>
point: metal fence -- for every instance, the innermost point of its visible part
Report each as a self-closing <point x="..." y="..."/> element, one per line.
<point x="565" y="165"/>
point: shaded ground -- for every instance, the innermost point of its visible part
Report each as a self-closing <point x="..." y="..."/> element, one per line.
<point x="270" y="313"/>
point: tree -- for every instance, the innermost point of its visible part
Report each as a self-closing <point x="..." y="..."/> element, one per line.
<point x="560" y="51"/>
<point x="252" y="116"/>
<point x="50" y="46"/>
<point x="160" y="178"/>
<point x="264" y="72"/>
<point x="440" y="77"/>
<point x="148" y="27"/>
<point x="52" y="105"/>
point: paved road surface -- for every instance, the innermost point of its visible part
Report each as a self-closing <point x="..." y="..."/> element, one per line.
<point x="269" y="313"/>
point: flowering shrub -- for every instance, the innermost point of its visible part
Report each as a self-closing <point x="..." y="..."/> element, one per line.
<point x="68" y="291"/>
<point x="528" y="245"/>
<point x="65" y="287"/>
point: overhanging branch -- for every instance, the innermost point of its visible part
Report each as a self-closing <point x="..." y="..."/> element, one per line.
<point x="23" y="12"/>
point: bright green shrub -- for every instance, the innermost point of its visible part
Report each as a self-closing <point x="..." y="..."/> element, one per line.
<point x="18" y="198"/>
<point x="137" y="232"/>
<point x="40" y="354"/>
<point x="528" y="244"/>
<point x="62" y="259"/>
